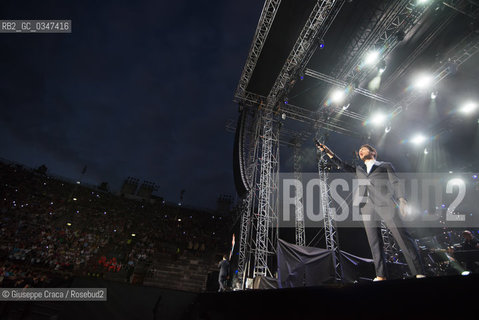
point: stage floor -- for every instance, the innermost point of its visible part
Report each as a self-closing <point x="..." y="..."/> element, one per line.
<point x="428" y="298"/>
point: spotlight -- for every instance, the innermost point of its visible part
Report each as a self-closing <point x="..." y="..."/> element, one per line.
<point x="474" y="176"/>
<point x="433" y="95"/>
<point x="468" y="108"/>
<point x="378" y="119"/>
<point x="423" y="81"/>
<point x="338" y="96"/>
<point x="286" y="100"/>
<point x="321" y="44"/>
<point x="465" y="273"/>
<point x="301" y="75"/>
<point x="425" y="151"/>
<point x="371" y="58"/>
<point x="418" y="139"/>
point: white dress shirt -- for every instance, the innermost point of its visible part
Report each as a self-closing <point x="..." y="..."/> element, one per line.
<point x="369" y="164"/>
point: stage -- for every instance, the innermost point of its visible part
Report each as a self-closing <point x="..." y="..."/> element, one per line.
<point x="427" y="298"/>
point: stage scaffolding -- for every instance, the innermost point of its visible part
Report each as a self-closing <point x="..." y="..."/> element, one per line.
<point x="390" y="23"/>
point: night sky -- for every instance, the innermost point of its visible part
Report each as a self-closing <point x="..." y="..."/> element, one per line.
<point x="139" y="88"/>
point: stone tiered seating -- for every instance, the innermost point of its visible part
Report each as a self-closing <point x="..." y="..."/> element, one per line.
<point x="185" y="273"/>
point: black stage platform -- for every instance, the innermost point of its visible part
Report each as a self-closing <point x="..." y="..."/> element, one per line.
<point x="428" y="298"/>
<point x="453" y="297"/>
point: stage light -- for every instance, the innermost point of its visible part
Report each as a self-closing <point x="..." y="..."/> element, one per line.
<point x="418" y="139"/>
<point x="321" y="44"/>
<point x="425" y="151"/>
<point x="301" y="75"/>
<point x="433" y="95"/>
<point x="338" y="96"/>
<point x="378" y="119"/>
<point x="474" y="176"/>
<point x="422" y="1"/>
<point x="286" y="100"/>
<point x="465" y="273"/>
<point x="371" y="58"/>
<point x="74" y="199"/>
<point x="133" y="235"/>
<point x="69" y="224"/>
<point x="423" y="81"/>
<point x="468" y="107"/>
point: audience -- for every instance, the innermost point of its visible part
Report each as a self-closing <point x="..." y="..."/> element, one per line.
<point x="51" y="225"/>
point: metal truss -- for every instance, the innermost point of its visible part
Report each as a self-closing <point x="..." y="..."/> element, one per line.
<point x="267" y="191"/>
<point x="299" y="213"/>
<point x="302" y="114"/>
<point x="264" y="247"/>
<point x="248" y="205"/>
<point x="468" y="47"/>
<point x="417" y="51"/>
<point x="362" y="37"/>
<point x="343" y="84"/>
<point x="391" y="249"/>
<point x="268" y="14"/>
<point x="401" y="17"/>
<point x="300" y="49"/>
<point x="330" y="232"/>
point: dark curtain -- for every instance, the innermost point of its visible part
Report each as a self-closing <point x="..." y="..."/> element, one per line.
<point x="303" y="266"/>
<point x="307" y="266"/>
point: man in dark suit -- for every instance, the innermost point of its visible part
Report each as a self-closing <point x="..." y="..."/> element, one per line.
<point x="384" y="195"/>
<point x="224" y="266"/>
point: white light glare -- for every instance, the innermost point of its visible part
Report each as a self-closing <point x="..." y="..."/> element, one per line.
<point x="433" y="95"/>
<point x="465" y="273"/>
<point x="371" y="58"/>
<point x="378" y="119"/>
<point x="456" y="182"/>
<point x="425" y="151"/>
<point x="468" y="107"/>
<point x="418" y="139"/>
<point x="422" y="1"/>
<point x="338" y="96"/>
<point x="423" y="81"/>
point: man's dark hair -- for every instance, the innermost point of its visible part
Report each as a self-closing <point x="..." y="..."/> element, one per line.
<point x="370" y="148"/>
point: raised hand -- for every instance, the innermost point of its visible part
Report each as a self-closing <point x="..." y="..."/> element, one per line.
<point x="323" y="148"/>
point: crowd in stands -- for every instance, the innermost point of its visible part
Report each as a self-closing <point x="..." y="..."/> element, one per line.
<point x="52" y="225"/>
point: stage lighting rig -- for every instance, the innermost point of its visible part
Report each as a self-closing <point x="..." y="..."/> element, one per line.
<point x="378" y="119"/>
<point x="418" y="139"/>
<point x="338" y="96"/>
<point x="468" y="108"/>
<point x="321" y="44"/>
<point x="423" y="81"/>
<point x="382" y="66"/>
<point x="371" y="57"/>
